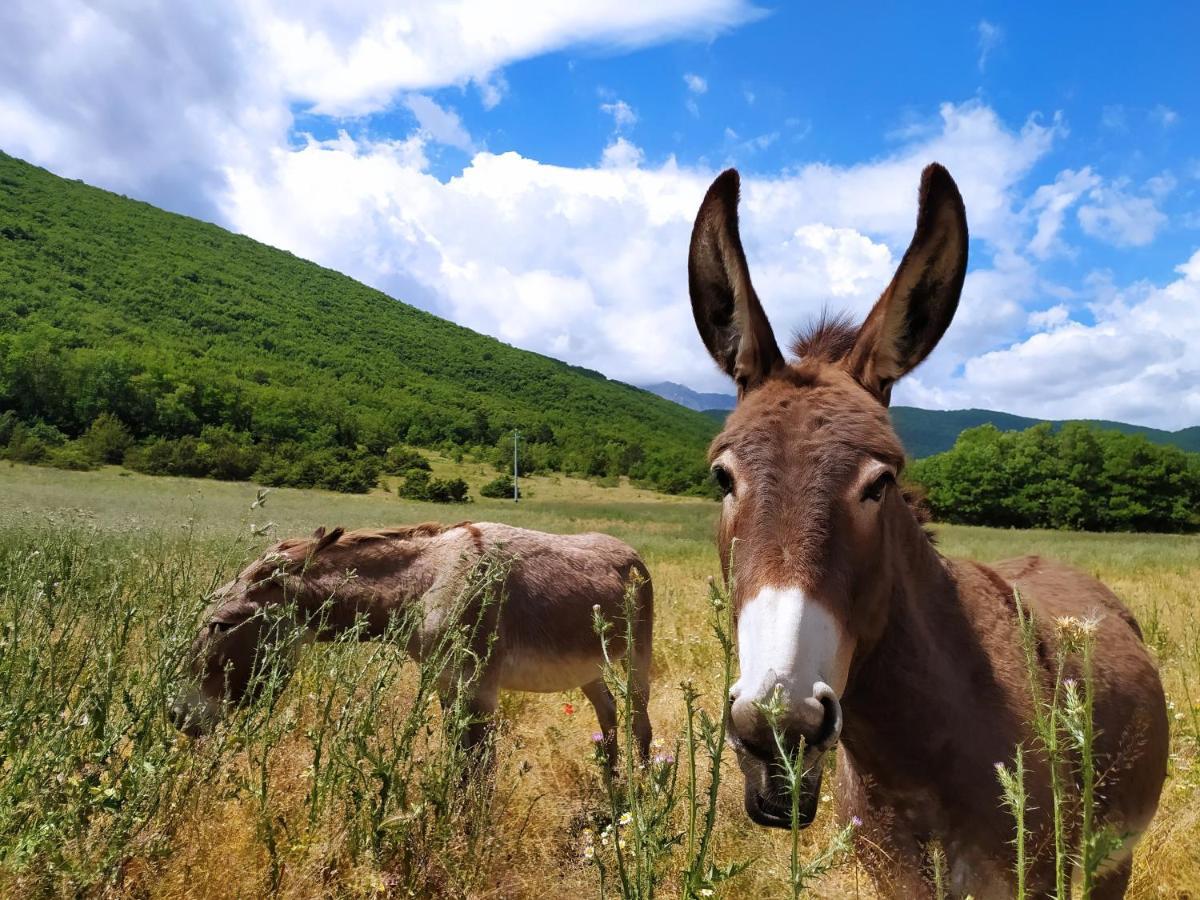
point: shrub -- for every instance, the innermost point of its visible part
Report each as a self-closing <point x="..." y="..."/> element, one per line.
<point x="72" y="455"/>
<point x="500" y="488"/>
<point x="331" y="468"/>
<point x="218" y="452"/>
<point x="418" y="485"/>
<point x="107" y="439"/>
<point x="401" y="459"/>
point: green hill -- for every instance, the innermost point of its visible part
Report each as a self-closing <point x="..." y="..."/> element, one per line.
<point x="217" y="355"/>
<point x="925" y="432"/>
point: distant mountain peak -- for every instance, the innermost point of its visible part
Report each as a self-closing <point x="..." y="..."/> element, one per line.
<point x="685" y="396"/>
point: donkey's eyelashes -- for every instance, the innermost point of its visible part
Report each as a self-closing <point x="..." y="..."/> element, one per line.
<point x="723" y="478"/>
<point x="874" y="491"/>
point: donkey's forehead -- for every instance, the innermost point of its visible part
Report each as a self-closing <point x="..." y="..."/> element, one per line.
<point x="821" y="408"/>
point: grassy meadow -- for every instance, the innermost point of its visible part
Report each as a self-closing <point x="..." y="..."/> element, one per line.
<point x="103" y="573"/>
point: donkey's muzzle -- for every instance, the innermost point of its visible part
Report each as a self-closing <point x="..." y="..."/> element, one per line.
<point x="194" y="714"/>
<point x="814" y="724"/>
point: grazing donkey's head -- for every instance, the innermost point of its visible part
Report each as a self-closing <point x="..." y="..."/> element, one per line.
<point x="246" y="632"/>
<point x="812" y="517"/>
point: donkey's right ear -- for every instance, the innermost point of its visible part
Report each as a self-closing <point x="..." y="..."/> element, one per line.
<point x="729" y="317"/>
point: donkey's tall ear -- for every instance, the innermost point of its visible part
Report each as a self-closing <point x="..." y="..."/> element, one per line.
<point x="915" y="310"/>
<point x="730" y="319"/>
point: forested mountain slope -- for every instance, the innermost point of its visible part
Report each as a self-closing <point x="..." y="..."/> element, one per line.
<point x="195" y="338"/>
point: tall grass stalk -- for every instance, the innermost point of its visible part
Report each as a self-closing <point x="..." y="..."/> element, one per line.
<point x="1064" y="726"/>
<point x="1013" y="795"/>
<point x="706" y="735"/>
<point x="791" y="766"/>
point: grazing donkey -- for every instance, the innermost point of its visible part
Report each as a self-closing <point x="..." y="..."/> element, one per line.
<point x="539" y="627"/>
<point x="862" y="631"/>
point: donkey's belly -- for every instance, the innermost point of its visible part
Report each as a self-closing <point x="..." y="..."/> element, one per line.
<point x="530" y="671"/>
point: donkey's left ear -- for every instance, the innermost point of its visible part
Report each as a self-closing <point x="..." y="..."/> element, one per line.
<point x="915" y="310"/>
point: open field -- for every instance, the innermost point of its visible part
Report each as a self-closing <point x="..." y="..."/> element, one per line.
<point x="134" y="555"/>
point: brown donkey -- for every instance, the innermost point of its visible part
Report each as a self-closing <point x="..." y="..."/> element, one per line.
<point x="870" y="636"/>
<point x="540" y="629"/>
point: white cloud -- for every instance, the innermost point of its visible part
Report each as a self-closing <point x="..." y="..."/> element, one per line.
<point x="695" y="83"/>
<point x="1139" y="361"/>
<point x="622" y="154"/>
<point x="160" y="99"/>
<point x="624" y="115"/>
<point x="1115" y="216"/>
<point x="587" y="263"/>
<point x="991" y="36"/>
<point x="1049" y="319"/>
<point x="353" y="57"/>
<point x="1113" y="118"/>
<point x="1050" y="202"/>
<point x="439" y="124"/>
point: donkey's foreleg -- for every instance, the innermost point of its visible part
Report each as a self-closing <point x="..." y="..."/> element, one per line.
<point x="606" y="714"/>
<point x="469" y="713"/>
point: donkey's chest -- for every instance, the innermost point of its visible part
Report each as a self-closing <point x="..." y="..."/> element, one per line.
<point x="920" y="833"/>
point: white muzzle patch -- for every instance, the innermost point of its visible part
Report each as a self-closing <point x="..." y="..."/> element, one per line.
<point x="787" y="639"/>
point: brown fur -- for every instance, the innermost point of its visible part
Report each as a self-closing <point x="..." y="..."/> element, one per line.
<point x="545" y="639"/>
<point x="937" y="691"/>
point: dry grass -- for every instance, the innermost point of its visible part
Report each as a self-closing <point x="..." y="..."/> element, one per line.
<point x="185" y="533"/>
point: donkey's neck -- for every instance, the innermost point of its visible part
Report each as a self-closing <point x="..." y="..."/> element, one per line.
<point x="924" y="680"/>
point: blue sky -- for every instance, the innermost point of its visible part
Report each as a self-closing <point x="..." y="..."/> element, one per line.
<point x="530" y="170"/>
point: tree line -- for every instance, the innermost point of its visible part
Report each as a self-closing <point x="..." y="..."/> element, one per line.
<point x="1077" y="478"/>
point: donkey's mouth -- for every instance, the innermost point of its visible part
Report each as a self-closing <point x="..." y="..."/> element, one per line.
<point x="768" y="800"/>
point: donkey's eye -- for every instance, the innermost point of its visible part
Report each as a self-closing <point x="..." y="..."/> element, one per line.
<point x="875" y="489"/>
<point x="723" y="478"/>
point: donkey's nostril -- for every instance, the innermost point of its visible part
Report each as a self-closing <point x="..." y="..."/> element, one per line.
<point x="831" y="725"/>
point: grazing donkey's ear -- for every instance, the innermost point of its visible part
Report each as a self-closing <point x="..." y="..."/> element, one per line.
<point x="730" y="319"/>
<point x="915" y="310"/>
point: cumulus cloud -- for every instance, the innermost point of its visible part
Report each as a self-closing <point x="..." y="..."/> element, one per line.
<point x="353" y="57"/>
<point x="1050" y="203"/>
<point x="159" y="99"/>
<point x="622" y="154"/>
<point x="1114" y="215"/>
<point x="623" y="115"/>
<point x="439" y="124"/>
<point x="1139" y="360"/>
<point x="696" y="86"/>
<point x="589" y="263"/>
<point x="1164" y="116"/>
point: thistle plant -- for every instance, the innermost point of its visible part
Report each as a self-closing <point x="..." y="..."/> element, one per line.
<point x="1064" y="731"/>
<point x="790" y="764"/>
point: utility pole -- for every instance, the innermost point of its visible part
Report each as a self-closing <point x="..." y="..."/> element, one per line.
<point x="516" y="491"/>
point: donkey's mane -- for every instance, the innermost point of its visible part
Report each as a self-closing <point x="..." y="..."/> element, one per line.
<point x="828" y="338"/>
<point x="297" y="552"/>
